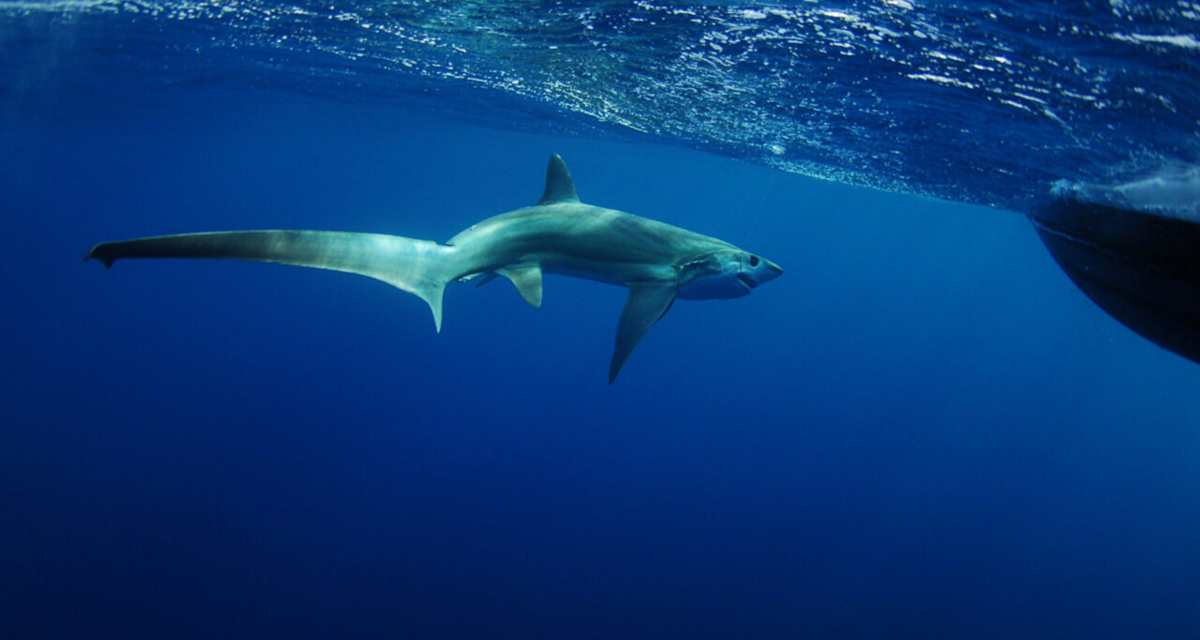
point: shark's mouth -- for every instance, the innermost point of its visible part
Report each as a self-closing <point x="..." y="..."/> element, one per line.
<point x="747" y="280"/>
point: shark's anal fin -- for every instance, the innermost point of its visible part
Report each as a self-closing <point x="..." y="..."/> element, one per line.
<point x="491" y="275"/>
<point x="559" y="185"/>
<point x="647" y="302"/>
<point x="528" y="280"/>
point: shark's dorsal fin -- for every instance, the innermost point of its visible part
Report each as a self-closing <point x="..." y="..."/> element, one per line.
<point x="559" y="185"/>
<point x="528" y="280"/>
<point x="647" y="302"/>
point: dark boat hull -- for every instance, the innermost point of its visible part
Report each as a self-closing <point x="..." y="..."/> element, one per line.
<point x="1144" y="270"/>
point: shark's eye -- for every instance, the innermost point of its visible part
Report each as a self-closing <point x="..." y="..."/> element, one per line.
<point x="754" y="261"/>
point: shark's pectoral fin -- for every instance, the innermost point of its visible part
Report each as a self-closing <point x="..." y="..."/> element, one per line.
<point x="528" y="280"/>
<point x="647" y="302"/>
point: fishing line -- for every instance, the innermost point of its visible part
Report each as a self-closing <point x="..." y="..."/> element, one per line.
<point x="758" y="210"/>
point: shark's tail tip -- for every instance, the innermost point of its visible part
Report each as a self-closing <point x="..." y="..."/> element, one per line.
<point x="107" y="261"/>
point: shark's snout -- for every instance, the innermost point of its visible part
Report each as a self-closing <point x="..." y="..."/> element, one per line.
<point x="756" y="270"/>
<point x="772" y="270"/>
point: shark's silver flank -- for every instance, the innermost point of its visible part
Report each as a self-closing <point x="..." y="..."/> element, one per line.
<point x="658" y="262"/>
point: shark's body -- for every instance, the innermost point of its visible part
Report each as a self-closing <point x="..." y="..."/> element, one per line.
<point x="656" y="261"/>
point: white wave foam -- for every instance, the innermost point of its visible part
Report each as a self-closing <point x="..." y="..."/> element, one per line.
<point x="1184" y="41"/>
<point x="1172" y="192"/>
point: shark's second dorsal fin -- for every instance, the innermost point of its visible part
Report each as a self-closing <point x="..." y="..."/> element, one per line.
<point x="559" y="185"/>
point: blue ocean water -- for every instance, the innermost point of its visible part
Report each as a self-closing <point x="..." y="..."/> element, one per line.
<point x="921" y="430"/>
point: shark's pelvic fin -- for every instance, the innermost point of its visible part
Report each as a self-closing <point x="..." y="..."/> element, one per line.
<point x="647" y="302"/>
<point x="419" y="267"/>
<point x="559" y="185"/>
<point x="528" y="280"/>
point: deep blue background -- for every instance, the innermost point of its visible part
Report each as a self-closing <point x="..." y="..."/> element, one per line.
<point x="922" y="430"/>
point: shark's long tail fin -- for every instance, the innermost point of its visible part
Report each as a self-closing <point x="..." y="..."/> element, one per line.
<point x="419" y="267"/>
